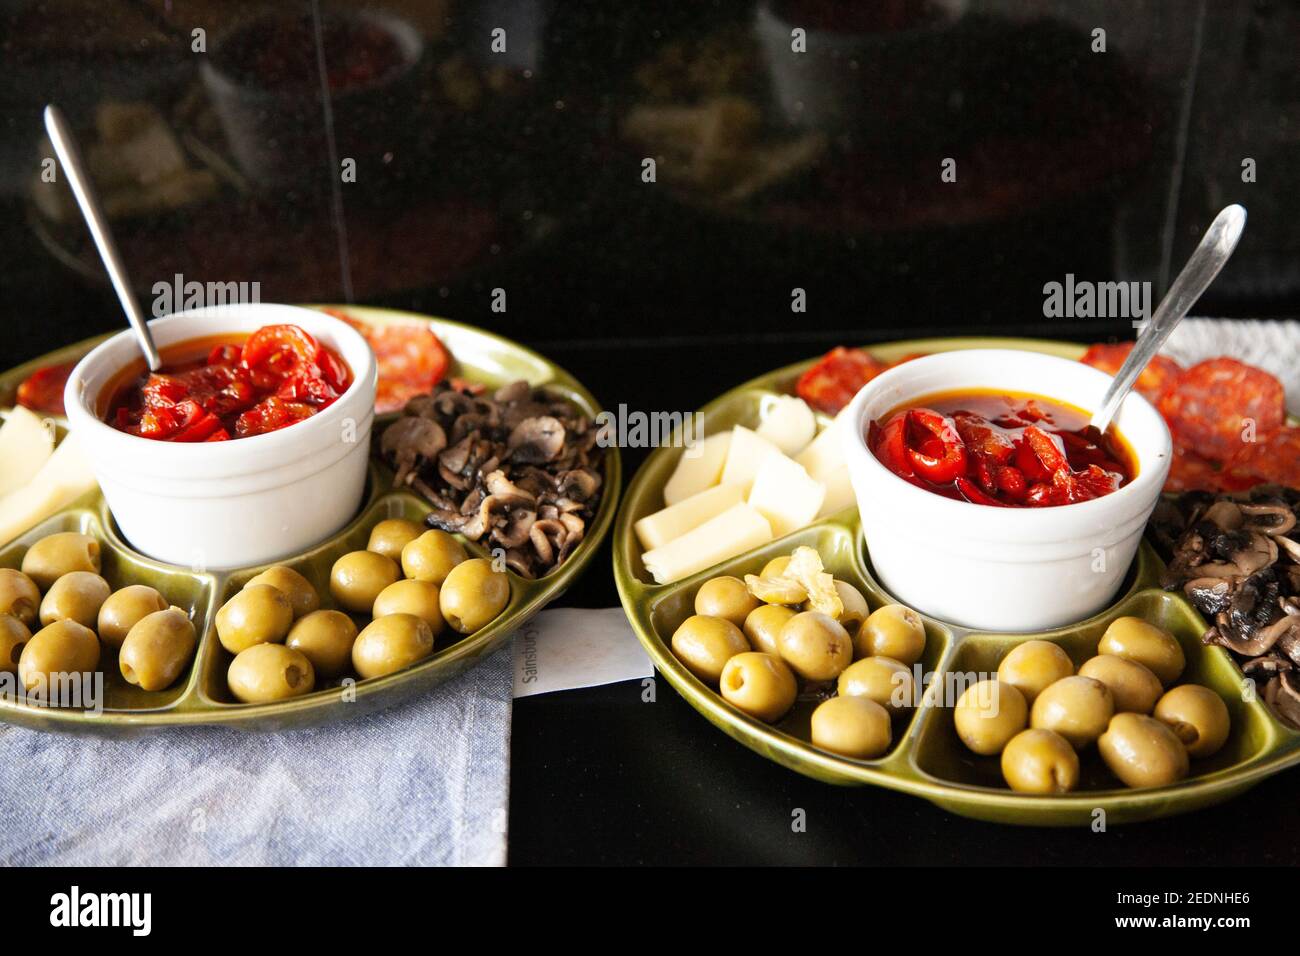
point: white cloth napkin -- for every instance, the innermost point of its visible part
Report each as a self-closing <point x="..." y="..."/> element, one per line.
<point x="426" y="782"/>
<point x="421" y="783"/>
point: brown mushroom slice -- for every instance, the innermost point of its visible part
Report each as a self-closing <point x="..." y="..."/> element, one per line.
<point x="1267" y="664"/>
<point x="1272" y="518"/>
<point x="497" y="483"/>
<point x="514" y="533"/>
<point x="578" y="484"/>
<point x="516" y="391"/>
<point x="1258" y="553"/>
<point x="1226" y="514"/>
<point x="1286" y="697"/>
<point x="536" y="440"/>
<point x="576" y="529"/>
<point x="1261" y="643"/>
<point x="409" y="441"/>
<point x="1210" y="595"/>
<point x="1290" y="546"/>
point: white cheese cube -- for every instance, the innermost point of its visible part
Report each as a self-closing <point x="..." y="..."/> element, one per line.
<point x="785" y="495"/>
<point x="788" y="423"/>
<point x="735" y="531"/>
<point x="699" y="467"/>
<point x="64" y="477"/>
<point x="747" y="453"/>
<point x="824" y="462"/>
<point x="656" y="530"/>
<point x="25" y="445"/>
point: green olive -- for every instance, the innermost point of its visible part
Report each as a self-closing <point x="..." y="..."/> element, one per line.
<point x="473" y="594"/>
<point x="851" y="726"/>
<point x="1033" y="666"/>
<point x="1142" y="751"/>
<point x="431" y="556"/>
<point x="77" y="596"/>
<point x="1137" y="640"/>
<point x="124" y="608"/>
<point x="412" y="597"/>
<point x="855" y="606"/>
<point x="62" y="648"/>
<point x="19" y="596"/>
<point x="390" y="644"/>
<point x="158" y="649"/>
<point x="1077" y="708"/>
<point x="891" y="631"/>
<point x="1040" y="761"/>
<point x="705" y="644"/>
<point x="259" y="614"/>
<point x="815" y="645"/>
<point x="1132" y="685"/>
<point x="391" y="535"/>
<point x="302" y="596"/>
<point x="761" y="685"/>
<point x="881" y="679"/>
<point x="1197" y="716"/>
<point x="357" y="578"/>
<point x="57" y="554"/>
<point x="268" y="672"/>
<point x="763" y="626"/>
<point x="776" y="567"/>
<point x="725" y="597"/>
<point x="988" y="714"/>
<point x="14" y="636"/>
<point x="325" y="638"/>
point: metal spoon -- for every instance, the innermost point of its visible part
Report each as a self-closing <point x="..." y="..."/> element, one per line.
<point x="70" y="159"/>
<point x="1215" y="248"/>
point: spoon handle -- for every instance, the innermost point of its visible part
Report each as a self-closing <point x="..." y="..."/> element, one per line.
<point x="65" y="145"/>
<point x="1215" y="248"/>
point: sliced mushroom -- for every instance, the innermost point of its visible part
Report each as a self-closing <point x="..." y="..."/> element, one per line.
<point x="1226" y="514"/>
<point x="535" y="440"/>
<point x="515" y="532"/>
<point x="1263" y="640"/>
<point x="1272" y="519"/>
<point x="498" y="484"/>
<point x="1210" y="595"/>
<point x="409" y="441"/>
<point x="1286" y="701"/>
<point x="519" y="469"/>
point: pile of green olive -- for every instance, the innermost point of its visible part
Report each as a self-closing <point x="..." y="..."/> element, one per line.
<point x="758" y="643"/>
<point x="59" y="588"/>
<point x="1039" y="713"/>
<point x="409" y="583"/>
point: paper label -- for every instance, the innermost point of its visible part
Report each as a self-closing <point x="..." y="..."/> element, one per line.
<point x="567" y="648"/>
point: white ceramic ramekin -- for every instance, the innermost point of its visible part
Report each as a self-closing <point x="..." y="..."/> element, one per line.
<point x="1004" y="569"/>
<point x="241" y="502"/>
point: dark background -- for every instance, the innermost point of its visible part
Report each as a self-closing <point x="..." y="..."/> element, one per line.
<point x="478" y="171"/>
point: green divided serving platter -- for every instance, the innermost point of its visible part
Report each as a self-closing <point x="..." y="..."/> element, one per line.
<point x="926" y="758"/>
<point x="201" y="696"/>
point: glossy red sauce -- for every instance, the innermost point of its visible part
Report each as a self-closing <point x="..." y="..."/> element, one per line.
<point x="1004" y="449"/>
<point x="223" y="387"/>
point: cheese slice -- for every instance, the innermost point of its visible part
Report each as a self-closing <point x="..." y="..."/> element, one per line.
<point x="25" y="445"/>
<point x="746" y="454"/>
<point x="785" y="495"/>
<point x="824" y="461"/>
<point x="699" y="467"/>
<point x="788" y="423"/>
<point x="733" y="532"/>
<point x="656" y="530"/>
<point x="65" y="477"/>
